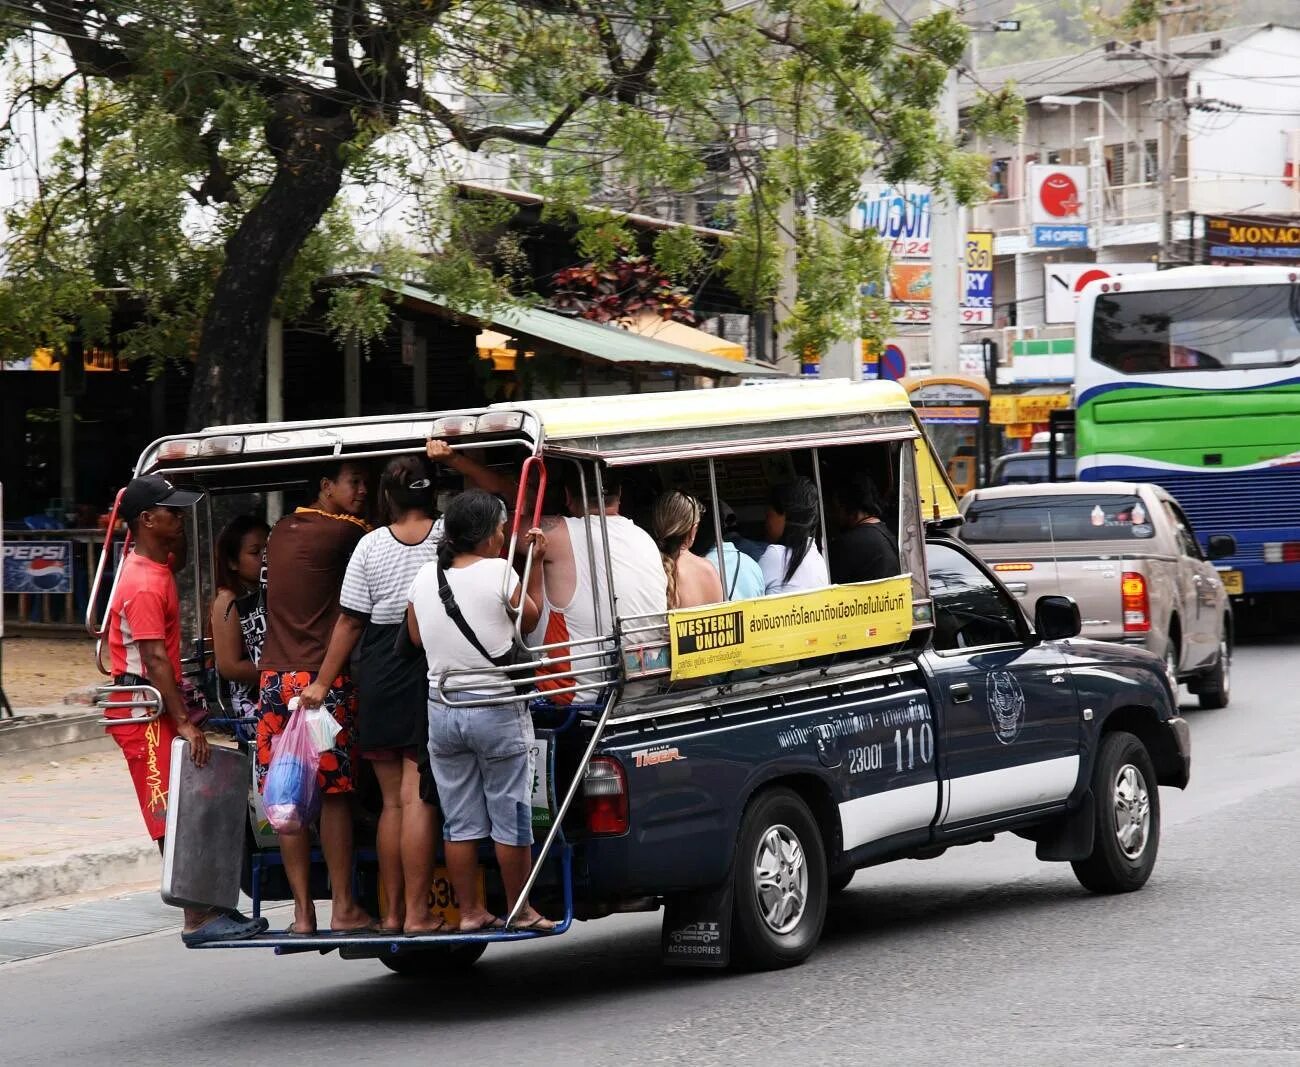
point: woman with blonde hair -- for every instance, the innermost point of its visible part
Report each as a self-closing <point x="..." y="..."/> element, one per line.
<point x="692" y="582"/>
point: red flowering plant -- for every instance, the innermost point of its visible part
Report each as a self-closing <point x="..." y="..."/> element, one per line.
<point x="620" y="292"/>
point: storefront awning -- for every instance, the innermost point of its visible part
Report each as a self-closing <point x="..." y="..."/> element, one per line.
<point x="587" y="340"/>
<point x="648" y="324"/>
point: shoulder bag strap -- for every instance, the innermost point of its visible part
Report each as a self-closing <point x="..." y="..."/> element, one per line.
<point x="454" y="613"/>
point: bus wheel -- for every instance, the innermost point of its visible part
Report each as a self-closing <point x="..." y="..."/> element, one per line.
<point x="781" y="883"/>
<point x="434" y="963"/>
<point x="1127" y="828"/>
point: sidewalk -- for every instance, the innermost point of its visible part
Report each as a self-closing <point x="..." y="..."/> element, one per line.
<point x="69" y="826"/>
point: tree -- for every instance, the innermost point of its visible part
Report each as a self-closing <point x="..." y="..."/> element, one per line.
<point x="212" y="138"/>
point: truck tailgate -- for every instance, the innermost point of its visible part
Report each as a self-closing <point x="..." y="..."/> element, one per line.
<point x="1093" y="581"/>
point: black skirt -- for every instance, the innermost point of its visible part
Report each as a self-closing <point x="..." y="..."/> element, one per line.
<point x="393" y="692"/>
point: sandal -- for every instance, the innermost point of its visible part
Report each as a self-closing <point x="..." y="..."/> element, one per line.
<point x="292" y="931"/>
<point x="539" y="925"/>
<point x="494" y="923"/>
<point x="370" y="927"/>
<point x="441" y="927"/>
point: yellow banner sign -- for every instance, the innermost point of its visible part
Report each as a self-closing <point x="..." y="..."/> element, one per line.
<point x="780" y="629"/>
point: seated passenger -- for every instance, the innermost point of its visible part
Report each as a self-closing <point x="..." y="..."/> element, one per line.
<point x="691" y="581"/>
<point x="867" y="549"/>
<point x="792" y="563"/>
<point x="742" y="576"/>
<point x="238" y="615"/>
<point x="480" y="755"/>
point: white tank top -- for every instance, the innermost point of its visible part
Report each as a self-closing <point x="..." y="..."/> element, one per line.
<point x="640" y="588"/>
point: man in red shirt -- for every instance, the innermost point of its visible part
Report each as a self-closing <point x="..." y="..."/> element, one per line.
<point x="144" y="642"/>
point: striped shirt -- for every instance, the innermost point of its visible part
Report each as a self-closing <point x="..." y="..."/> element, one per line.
<point x="380" y="573"/>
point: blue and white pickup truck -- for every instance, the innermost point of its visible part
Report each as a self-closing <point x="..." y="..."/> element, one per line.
<point x="741" y="760"/>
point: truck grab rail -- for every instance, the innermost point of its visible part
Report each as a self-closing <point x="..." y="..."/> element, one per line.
<point x="152" y="699"/>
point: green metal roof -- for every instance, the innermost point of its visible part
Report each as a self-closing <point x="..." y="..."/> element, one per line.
<point x="591" y="339"/>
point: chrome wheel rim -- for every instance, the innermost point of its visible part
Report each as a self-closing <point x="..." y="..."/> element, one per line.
<point x="1132" y="804"/>
<point x="1171" y="666"/>
<point x="1225" y="661"/>
<point x="780" y="879"/>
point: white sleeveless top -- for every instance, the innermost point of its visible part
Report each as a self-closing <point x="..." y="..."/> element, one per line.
<point x="640" y="588"/>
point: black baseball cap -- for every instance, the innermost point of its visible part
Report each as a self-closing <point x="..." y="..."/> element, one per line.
<point x="153" y="491"/>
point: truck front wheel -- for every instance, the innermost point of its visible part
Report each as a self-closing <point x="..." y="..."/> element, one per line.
<point x="780" y="883"/>
<point x="1127" y="829"/>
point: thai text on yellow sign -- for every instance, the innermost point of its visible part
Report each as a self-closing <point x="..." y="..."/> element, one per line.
<point x="780" y="629"/>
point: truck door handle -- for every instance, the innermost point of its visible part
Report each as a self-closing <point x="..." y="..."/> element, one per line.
<point x="960" y="693"/>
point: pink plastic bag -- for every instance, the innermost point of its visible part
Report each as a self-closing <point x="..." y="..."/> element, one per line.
<point x="291" y="794"/>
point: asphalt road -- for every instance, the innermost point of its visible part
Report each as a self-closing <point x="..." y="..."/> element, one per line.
<point x="981" y="956"/>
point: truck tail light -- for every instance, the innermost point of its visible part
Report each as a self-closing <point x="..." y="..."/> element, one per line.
<point x="604" y="797"/>
<point x="1136" y="606"/>
<point x="1282" y="552"/>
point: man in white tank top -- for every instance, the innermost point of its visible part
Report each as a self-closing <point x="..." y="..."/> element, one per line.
<point x="563" y="585"/>
<point x="574" y="609"/>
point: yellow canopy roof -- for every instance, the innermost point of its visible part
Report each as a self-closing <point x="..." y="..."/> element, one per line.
<point x="648" y="324"/>
<point x="570" y="417"/>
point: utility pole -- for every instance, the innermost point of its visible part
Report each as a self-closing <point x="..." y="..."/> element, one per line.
<point x="945" y="242"/>
<point x="1164" y="144"/>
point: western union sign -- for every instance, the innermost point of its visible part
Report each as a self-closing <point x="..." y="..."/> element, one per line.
<point x="782" y="629"/>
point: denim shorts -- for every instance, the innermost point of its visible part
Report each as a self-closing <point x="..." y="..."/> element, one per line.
<point x="482" y="760"/>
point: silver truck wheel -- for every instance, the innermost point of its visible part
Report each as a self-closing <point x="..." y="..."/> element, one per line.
<point x="779" y="881"/>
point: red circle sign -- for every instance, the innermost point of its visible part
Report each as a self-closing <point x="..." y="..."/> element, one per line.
<point x="1059" y="196"/>
<point x="1089" y="276"/>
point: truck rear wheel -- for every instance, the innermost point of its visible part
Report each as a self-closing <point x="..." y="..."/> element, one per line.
<point x="1127" y="829"/>
<point x="780" y="883"/>
<point x="431" y="964"/>
<point x="1216" y="687"/>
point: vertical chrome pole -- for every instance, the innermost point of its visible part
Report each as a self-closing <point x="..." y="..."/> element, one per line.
<point x="821" y="506"/>
<point x="717" y="529"/>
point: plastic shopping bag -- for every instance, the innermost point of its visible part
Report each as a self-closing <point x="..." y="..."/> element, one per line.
<point x="291" y="795"/>
<point x="324" y="728"/>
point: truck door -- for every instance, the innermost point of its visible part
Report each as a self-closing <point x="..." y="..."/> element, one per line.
<point x="1010" y="719"/>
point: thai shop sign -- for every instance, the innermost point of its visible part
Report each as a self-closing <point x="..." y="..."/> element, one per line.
<point x="1252" y="238"/>
<point x="901" y="215"/>
<point x="977" y="306"/>
<point x="1049" y="360"/>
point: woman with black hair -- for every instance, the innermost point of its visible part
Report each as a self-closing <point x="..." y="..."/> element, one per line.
<point x="867" y="550"/>
<point x="793" y="563"/>
<point x="391" y="689"/>
<point x="481" y="756"/>
<point x="238" y="617"/>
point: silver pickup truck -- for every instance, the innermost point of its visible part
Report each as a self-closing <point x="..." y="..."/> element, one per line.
<point x="1128" y="555"/>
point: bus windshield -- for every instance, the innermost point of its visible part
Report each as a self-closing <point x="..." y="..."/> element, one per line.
<point x="1224" y="328"/>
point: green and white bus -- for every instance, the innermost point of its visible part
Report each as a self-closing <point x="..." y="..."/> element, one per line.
<point x="1190" y="378"/>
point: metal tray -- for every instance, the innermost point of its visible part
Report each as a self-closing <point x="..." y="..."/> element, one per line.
<point x="207" y="811"/>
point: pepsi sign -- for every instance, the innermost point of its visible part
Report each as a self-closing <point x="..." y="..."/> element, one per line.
<point x="37" y="566"/>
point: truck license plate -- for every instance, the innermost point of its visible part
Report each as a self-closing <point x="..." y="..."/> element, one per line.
<point x="1232" y="582"/>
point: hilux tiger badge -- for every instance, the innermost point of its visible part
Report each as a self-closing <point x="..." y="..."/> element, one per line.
<point x="1006" y="705"/>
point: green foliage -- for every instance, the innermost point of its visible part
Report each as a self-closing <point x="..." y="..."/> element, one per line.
<point x="190" y="111"/>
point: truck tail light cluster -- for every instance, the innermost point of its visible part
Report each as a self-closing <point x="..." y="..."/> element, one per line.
<point x="1282" y="551"/>
<point x="1136" y="605"/>
<point x="604" y="797"/>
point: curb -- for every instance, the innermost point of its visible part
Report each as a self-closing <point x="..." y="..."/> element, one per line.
<point x="77" y="872"/>
<point x="33" y="729"/>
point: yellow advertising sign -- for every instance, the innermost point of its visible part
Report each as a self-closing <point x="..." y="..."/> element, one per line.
<point x="779" y="629"/>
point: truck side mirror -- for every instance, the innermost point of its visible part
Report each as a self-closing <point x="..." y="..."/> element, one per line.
<point x="1220" y="546"/>
<point x="1056" y="618"/>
